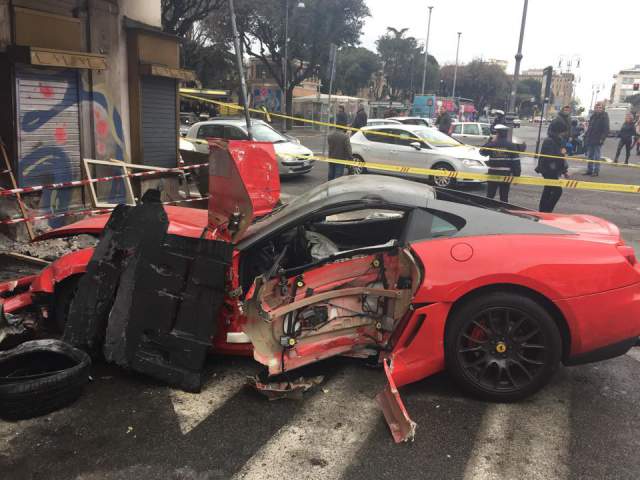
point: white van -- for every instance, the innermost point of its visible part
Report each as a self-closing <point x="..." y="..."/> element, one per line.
<point x="616" y="119"/>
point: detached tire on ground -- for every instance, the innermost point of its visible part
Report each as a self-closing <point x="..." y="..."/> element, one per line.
<point x="502" y="346"/>
<point x="39" y="377"/>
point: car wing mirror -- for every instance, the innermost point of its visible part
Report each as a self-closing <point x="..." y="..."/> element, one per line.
<point x="416" y="145"/>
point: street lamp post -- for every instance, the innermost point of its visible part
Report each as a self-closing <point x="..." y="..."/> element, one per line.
<point x="426" y="53"/>
<point x="455" y="70"/>
<point x="285" y="60"/>
<point x="516" y="72"/>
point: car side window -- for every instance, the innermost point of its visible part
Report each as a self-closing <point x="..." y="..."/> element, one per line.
<point x="457" y="129"/>
<point x="486" y="130"/>
<point x="403" y="137"/>
<point x="379" y="136"/>
<point x="471" y="129"/>
<point x="234" y="133"/>
<point x="426" y="224"/>
<point x="211" y="131"/>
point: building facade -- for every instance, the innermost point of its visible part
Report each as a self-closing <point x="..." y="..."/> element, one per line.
<point x="562" y="85"/>
<point x="85" y="79"/>
<point x="626" y="83"/>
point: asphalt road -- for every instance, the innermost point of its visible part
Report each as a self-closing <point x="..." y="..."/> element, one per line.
<point x="582" y="426"/>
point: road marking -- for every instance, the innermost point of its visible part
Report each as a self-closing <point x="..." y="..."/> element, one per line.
<point x="193" y="408"/>
<point x="321" y="441"/>
<point x="525" y="440"/>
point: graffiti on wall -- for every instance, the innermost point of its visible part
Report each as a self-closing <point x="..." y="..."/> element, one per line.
<point x="108" y="137"/>
<point x="268" y="98"/>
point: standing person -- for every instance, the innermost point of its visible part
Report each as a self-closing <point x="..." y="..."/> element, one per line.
<point x="498" y="120"/>
<point x="339" y="148"/>
<point x="594" y="137"/>
<point x="341" y="116"/>
<point x="626" y="135"/>
<point x="562" y="122"/>
<point x="574" y="137"/>
<point x="501" y="162"/>
<point x="361" y="118"/>
<point x="443" y="122"/>
<point x="638" y="136"/>
<point x="552" y="168"/>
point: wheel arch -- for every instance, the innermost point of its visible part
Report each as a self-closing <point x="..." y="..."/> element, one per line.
<point x="544" y="301"/>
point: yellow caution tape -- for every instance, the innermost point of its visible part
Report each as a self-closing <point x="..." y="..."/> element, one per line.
<point x="542" y="182"/>
<point x="393" y="135"/>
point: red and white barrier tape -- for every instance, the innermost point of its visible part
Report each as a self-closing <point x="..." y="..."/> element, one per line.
<point x="94" y="211"/>
<point x="77" y="183"/>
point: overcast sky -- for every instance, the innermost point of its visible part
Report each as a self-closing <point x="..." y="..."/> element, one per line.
<point x="605" y="34"/>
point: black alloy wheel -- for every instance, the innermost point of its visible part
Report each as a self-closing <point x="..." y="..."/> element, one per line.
<point x="502" y="346"/>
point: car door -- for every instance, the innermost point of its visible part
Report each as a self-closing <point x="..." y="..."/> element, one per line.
<point x="407" y="155"/>
<point x="472" y="135"/>
<point x="205" y="132"/>
<point x="456" y="131"/>
<point x="381" y="147"/>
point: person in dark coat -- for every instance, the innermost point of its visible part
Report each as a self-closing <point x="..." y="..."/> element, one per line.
<point x="574" y="137"/>
<point x="626" y="135"/>
<point x="360" y="119"/>
<point x="339" y="148"/>
<point x="562" y="122"/>
<point x="502" y="163"/>
<point x="552" y="168"/>
<point x="443" y="122"/>
<point x="594" y="138"/>
<point x="341" y="116"/>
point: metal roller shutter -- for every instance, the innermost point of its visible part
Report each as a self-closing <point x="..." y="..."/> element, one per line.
<point x="48" y="126"/>
<point x="159" y="122"/>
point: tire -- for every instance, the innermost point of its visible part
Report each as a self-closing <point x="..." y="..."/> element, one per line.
<point x="444" y="182"/>
<point x="65" y="293"/>
<point x="39" y="377"/>
<point x="502" y="346"/>
<point x="357" y="170"/>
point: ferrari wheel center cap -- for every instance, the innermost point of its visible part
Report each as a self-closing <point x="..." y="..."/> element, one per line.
<point x="501" y="347"/>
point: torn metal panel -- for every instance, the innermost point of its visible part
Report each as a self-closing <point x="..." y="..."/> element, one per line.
<point x="289" y="389"/>
<point x="126" y="229"/>
<point x="403" y="429"/>
<point x="150" y="299"/>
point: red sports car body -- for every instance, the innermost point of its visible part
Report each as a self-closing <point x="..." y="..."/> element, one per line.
<point x="419" y="278"/>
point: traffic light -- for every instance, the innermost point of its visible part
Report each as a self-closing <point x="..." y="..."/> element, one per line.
<point x="636" y="86"/>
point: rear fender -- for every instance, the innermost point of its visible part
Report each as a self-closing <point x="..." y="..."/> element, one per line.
<point x="66" y="266"/>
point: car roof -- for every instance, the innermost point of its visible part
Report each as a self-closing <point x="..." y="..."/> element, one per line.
<point x="370" y="191"/>
<point x="407" y="118"/>
<point x="401" y="126"/>
<point x="239" y="122"/>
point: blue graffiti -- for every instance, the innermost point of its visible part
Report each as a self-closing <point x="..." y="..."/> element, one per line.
<point x="41" y="159"/>
<point x="39" y="162"/>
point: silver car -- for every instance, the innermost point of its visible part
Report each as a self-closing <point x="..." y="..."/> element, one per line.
<point x="416" y="146"/>
<point x="471" y="133"/>
<point x="293" y="158"/>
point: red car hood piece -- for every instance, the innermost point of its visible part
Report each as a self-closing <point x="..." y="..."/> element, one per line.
<point x="187" y="222"/>
<point x="243" y="183"/>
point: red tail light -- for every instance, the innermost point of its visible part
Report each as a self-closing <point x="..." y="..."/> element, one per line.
<point x="628" y="253"/>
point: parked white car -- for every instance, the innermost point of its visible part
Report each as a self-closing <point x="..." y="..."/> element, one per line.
<point x="416" y="146"/>
<point x="471" y="133"/>
<point x="293" y="158"/>
<point x="425" y="122"/>
<point x="475" y="133"/>
<point x="372" y="122"/>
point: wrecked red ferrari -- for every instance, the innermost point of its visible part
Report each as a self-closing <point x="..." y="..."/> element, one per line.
<point x="420" y="279"/>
